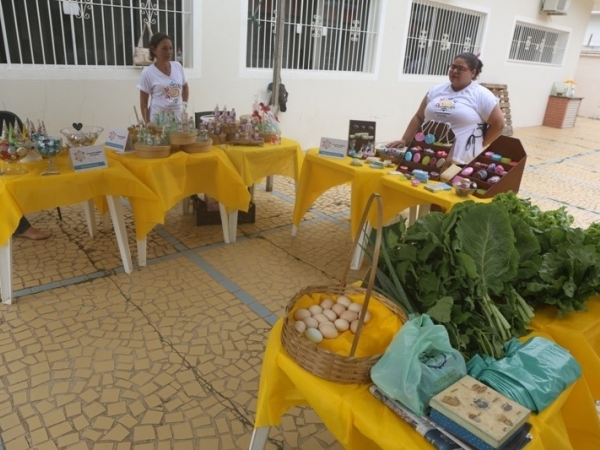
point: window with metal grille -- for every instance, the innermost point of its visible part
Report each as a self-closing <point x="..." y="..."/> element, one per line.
<point x="322" y="35"/>
<point x="437" y="33"/>
<point x="87" y="32"/>
<point x="538" y="44"/>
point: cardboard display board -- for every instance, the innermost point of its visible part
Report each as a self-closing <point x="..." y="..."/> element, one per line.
<point x="506" y="147"/>
<point x="442" y="135"/>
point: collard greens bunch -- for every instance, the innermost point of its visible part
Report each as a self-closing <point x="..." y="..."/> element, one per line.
<point x="481" y="268"/>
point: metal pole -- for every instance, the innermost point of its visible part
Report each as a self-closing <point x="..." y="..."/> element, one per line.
<point x="278" y="54"/>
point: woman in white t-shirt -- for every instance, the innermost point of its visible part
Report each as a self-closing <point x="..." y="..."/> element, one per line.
<point x="469" y="108"/>
<point x="163" y="83"/>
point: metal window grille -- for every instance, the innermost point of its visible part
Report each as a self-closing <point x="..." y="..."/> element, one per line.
<point x="322" y="35"/>
<point x="538" y="44"/>
<point x="437" y="33"/>
<point x="87" y="32"/>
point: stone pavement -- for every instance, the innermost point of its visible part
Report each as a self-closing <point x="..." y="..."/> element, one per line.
<point x="169" y="357"/>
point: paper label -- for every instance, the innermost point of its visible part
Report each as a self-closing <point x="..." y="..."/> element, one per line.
<point x="88" y="158"/>
<point x="119" y="140"/>
<point x="336" y="148"/>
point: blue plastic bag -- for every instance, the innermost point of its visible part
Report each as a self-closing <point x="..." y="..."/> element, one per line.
<point x="533" y="374"/>
<point x="419" y="363"/>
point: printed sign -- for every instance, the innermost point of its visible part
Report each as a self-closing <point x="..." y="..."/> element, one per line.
<point x="335" y="148"/>
<point x="88" y="158"/>
<point x="361" y="138"/>
<point x="119" y="140"/>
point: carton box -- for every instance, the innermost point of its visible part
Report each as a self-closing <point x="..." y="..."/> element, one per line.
<point x="206" y="217"/>
<point x="506" y="147"/>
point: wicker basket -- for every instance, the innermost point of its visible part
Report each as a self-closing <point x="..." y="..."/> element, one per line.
<point x="182" y="138"/>
<point x="152" y="151"/>
<point x="198" y="147"/>
<point x="327" y="364"/>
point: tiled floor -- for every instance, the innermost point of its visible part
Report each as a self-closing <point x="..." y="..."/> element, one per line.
<point x="169" y="357"/>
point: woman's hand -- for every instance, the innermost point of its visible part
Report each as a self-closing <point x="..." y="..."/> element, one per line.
<point x="396" y="144"/>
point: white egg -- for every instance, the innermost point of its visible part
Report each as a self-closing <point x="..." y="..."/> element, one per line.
<point x="349" y="316"/>
<point x="341" y="325"/>
<point x="321" y="318"/>
<point x="353" y="326"/>
<point x="355" y="307"/>
<point x="338" y="309"/>
<point x="327" y="303"/>
<point x="331" y="315"/>
<point x="300" y="326"/>
<point x="343" y="300"/>
<point x="328" y="330"/>
<point x="301" y="314"/>
<point x="313" y="335"/>
<point x="367" y="317"/>
<point x="315" y="309"/>
<point x="310" y="322"/>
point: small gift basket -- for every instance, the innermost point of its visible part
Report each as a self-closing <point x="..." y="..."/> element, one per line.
<point x="202" y="143"/>
<point x="364" y="323"/>
<point x="152" y="142"/>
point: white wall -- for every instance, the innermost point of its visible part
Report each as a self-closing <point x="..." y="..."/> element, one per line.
<point x="318" y="105"/>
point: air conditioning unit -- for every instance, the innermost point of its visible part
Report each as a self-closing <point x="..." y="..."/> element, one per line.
<point x="555" y="7"/>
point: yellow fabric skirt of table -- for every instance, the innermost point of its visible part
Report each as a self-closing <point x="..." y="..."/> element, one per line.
<point x="359" y="421"/>
<point x="31" y="192"/>
<point x="181" y="175"/>
<point x="254" y="163"/>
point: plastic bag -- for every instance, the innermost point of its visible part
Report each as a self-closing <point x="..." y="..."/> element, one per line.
<point x="419" y="363"/>
<point x="533" y="374"/>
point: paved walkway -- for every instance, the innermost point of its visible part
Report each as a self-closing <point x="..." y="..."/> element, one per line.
<point x="170" y="357"/>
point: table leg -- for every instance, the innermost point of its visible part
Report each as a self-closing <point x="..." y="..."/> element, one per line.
<point x="294" y="230"/>
<point x="233" y="221"/>
<point x="116" y="213"/>
<point x="6" y="272"/>
<point x="269" y="184"/>
<point x="259" y="438"/>
<point x="225" y="223"/>
<point x="359" y="252"/>
<point x="185" y="205"/>
<point x="412" y="215"/>
<point x="88" y="209"/>
<point x="424" y="209"/>
<point x="141" y="248"/>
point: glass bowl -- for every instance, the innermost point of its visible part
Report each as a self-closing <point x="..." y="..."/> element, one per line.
<point x="49" y="147"/>
<point x="12" y="155"/>
<point x="81" y="138"/>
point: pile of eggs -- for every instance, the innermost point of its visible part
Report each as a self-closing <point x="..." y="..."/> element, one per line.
<point x="328" y="319"/>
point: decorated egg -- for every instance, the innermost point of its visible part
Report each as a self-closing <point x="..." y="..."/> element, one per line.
<point x="408" y="156"/>
<point x="467" y="171"/>
<point x="417" y="157"/>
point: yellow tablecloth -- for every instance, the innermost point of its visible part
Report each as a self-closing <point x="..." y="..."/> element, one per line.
<point x="181" y="174"/>
<point x="397" y="194"/>
<point x="321" y="173"/>
<point x="254" y="163"/>
<point x="578" y="332"/>
<point x="22" y="194"/>
<point x="359" y="421"/>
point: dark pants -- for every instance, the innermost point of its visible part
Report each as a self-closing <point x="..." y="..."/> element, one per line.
<point x="23" y="225"/>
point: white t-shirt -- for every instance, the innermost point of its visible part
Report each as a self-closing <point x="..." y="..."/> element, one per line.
<point x="465" y="111"/>
<point x="165" y="91"/>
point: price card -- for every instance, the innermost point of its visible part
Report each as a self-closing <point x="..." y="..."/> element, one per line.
<point x="336" y="148"/>
<point x="88" y="158"/>
<point x="119" y="140"/>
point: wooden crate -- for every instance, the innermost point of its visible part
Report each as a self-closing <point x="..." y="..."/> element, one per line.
<point x="501" y="91"/>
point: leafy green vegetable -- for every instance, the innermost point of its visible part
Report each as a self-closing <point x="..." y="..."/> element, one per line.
<point x="481" y="268"/>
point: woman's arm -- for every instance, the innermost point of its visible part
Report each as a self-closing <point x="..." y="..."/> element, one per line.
<point x="144" y="96"/>
<point x="495" y="126"/>
<point x="413" y="126"/>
